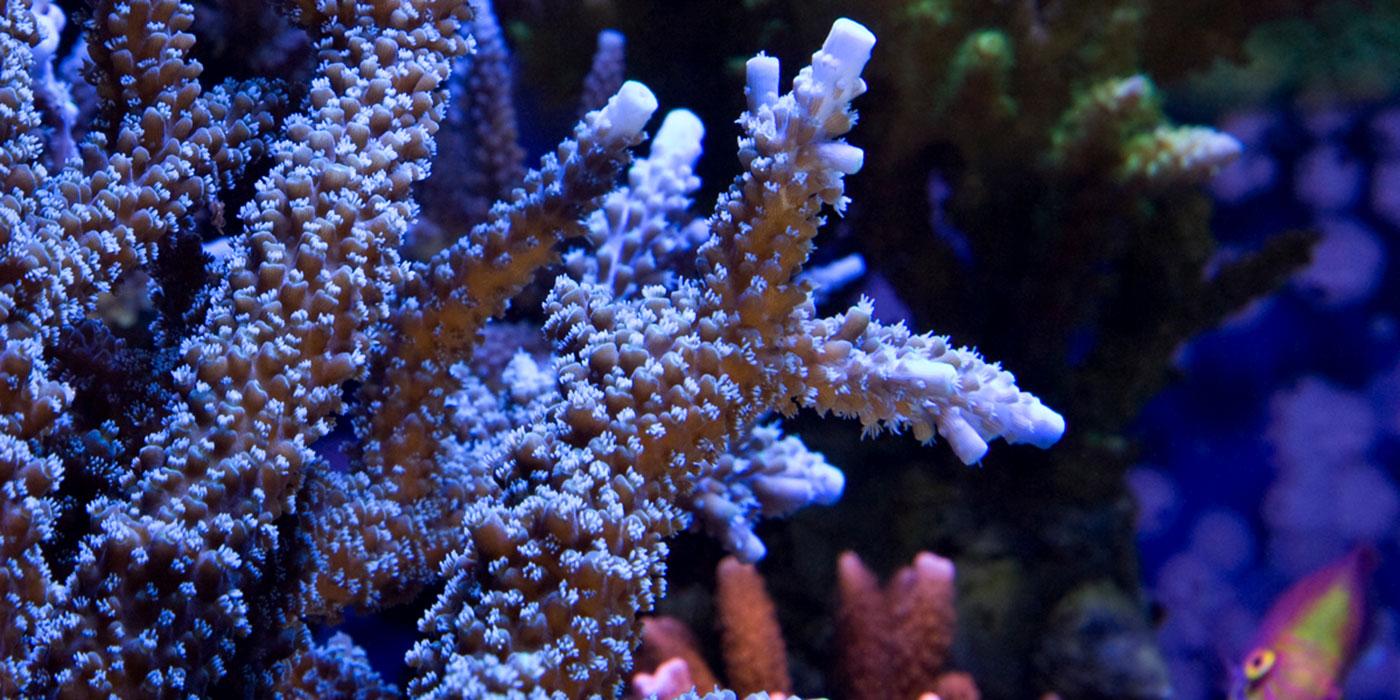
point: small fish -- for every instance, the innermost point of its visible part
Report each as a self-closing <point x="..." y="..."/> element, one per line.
<point x="1307" y="642"/>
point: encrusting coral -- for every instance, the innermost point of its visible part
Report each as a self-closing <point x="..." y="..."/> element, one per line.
<point x="182" y="549"/>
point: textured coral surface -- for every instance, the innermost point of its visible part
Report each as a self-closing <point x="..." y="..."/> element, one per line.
<point x="271" y="357"/>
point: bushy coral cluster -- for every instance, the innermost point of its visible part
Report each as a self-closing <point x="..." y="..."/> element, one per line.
<point x="173" y="517"/>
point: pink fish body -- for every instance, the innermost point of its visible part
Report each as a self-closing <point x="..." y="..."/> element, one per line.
<point x="1308" y="640"/>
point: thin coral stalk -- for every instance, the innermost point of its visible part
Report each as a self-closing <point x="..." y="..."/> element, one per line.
<point x="755" y="656"/>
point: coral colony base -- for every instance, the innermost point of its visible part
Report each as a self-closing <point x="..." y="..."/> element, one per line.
<point x="170" y="526"/>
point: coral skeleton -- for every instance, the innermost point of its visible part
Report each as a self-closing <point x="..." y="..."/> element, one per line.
<point x="177" y="506"/>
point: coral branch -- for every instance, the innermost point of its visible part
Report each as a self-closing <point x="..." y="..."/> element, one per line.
<point x="263" y="375"/>
<point x="885" y="376"/>
<point x="666" y="639"/>
<point x="415" y="503"/>
<point x="607" y="72"/>
<point x="863" y="625"/>
<point x="754" y="653"/>
<point x="795" y="162"/>
<point x="921" y="610"/>
<point x="479" y="154"/>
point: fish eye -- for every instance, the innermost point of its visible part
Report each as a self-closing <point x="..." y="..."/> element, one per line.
<point x="1259" y="663"/>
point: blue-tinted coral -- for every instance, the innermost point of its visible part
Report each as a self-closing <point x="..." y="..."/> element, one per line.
<point x="537" y="471"/>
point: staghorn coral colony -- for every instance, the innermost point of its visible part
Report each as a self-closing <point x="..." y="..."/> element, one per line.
<point x="202" y="280"/>
<point x="1026" y="188"/>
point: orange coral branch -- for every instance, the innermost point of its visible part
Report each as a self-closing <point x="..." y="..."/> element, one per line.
<point x="755" y="655"/>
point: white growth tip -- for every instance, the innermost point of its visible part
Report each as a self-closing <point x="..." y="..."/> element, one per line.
<point x="1043" y="426"/>
<point x="220" y="249"/>
<point x="829" y="482"/>
<point x="746" y="546"/>
<point x="629" y="110"/>
<point x="50" y="18"/>
<point x="1134" y="88"/>
<point x="1212" y="149"/>
<point x="847" y="49"/>
<point x="761" y="81"/>
<point x="679" y="137"/>
<point x="836" y="274"/>
<point x="963" y="438"/>
<point x="842" y="157"/>
<point x="932" y="566"/>
<point x="610" y="40"/>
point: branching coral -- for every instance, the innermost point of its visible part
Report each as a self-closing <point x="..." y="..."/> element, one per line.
<point x="1028" y="188"/>
<point x="891" y="642"/>
<point x="182" y="550"/>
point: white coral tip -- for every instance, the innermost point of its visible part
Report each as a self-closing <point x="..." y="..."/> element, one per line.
<point x="679" y="137"/>
<point x="787" y="493"/>
<point x="1217" y="149"/>
<point x="1043" y="426"/>
<point x="842" y="157"/>
<point x="611" y="40"/>
<point x="671" y="678"/>
<point x="761" y="81"/>
<point x="931" y="566"/>
<point x="630" y="109"/>
<point x="830" y="483"/>
<point x="746" y="546"/>
<point x="1133" y="88"/>
<point x="849" y="43"/>
<point x="963" y="438"/>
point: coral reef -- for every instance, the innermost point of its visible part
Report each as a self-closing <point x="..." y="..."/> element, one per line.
<point x="1030" y="191"/>
<point x="177" y="508"/>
